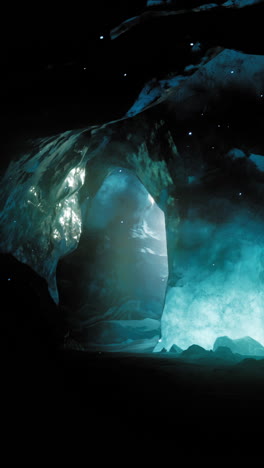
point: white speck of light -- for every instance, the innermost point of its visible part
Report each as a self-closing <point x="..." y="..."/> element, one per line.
<point x="160" y="340"/>
<point x="9" y="279"/>
<point x="125" y="74"/>
<point x="190" y="133"/>
<point x="213" y="264"/>
<point x="191" y="44"/>
<point x="84" y="68"/>
<point x="121" y="221"/>
<point x="101" y="37"/>
<point x="240" y="193"/>
<point x="261" y="95"/>
<point x="232" y="71"/>
<point x="213" y="147"/>
<point x="120" y="170"/>
<point x="151" y="199"/>
<point x="218" y="126"/>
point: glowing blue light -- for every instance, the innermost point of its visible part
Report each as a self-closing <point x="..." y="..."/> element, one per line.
<point x="232" y="71"/>
<point x="9" y="279"/>
<point x="151" y="199"/>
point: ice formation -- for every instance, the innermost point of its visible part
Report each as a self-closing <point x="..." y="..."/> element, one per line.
<point x="198" y="155"/>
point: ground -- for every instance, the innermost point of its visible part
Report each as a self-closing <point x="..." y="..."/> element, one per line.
<point x="131" y="409"/>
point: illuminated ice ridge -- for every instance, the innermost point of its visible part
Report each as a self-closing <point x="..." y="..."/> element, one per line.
<point x="40" y="217"/>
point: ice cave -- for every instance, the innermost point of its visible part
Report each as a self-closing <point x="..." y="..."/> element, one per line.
<point x="149" y="228"/>
<point x="132" y="233"/>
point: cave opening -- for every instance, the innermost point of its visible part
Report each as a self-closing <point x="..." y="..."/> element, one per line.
<point x="112" y="287"/>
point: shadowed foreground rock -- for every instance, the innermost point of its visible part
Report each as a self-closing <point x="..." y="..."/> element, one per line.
<point x="30" y="321"/>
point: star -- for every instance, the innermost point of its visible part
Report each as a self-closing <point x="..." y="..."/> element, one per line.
<point x="101" y="37"/>
<point x="190" y="133"/>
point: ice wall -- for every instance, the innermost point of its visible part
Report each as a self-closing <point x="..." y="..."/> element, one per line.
<point x="40" y="215"/>
<point x="72" y="188"/>
<point x="210" y="188"/>
<point x="219" y="291"/>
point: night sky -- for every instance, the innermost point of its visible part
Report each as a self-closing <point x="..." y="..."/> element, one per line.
<point x="58" y="74"/>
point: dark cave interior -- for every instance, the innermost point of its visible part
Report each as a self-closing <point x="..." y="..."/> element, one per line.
<point x="131" y="197"/>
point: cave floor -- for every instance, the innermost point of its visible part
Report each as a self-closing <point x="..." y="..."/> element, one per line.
<point x="130" y="409"/>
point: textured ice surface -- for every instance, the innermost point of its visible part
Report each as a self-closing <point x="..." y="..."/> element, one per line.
<point x="40" y="217"/>
<point x="220" y="282"/>
<point x="244" y="346"/>
<point x="152" y="91"/>
<point x="210" y="188"/>
<point x="258" y="160"/>
<point x="241" y="3"/>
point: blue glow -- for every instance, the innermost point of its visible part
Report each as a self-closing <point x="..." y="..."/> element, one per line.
<point x="220" y="271"/>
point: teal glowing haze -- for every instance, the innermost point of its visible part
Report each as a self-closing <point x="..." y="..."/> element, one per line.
<point x="221" y="277"/>
<point x="175" y="185"/>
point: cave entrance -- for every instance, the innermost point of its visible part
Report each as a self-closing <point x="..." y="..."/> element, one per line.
<point x="113" y="285"/>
